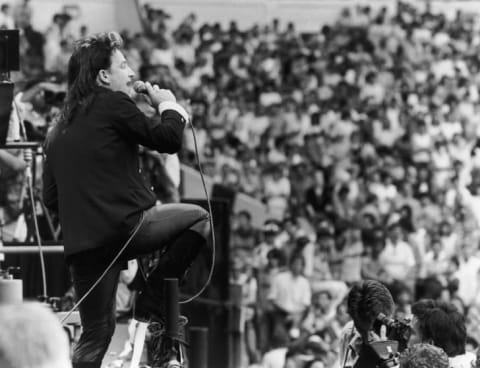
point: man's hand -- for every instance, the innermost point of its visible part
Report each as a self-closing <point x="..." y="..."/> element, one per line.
<point x="158" y="95"/>
<point x="53" y="87"/>
<point x="382" y="336"/>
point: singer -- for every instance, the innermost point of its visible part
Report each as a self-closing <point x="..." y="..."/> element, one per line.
<point x="92" y="179"/>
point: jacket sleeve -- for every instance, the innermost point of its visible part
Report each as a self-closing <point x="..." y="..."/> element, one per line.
<point x="163" y="135"/>
<point x="49" y="185"/>
<point x="49" y="192"/>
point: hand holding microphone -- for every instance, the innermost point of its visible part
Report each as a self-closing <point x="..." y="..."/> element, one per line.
<point x="156" y="94"/>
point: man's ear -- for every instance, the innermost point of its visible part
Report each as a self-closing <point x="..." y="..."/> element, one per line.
<point x="103" y="78"/>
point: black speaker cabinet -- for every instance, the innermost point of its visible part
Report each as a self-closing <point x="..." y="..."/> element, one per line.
<point x="9" y="50"/>
<point x="210" y="310"/>
<point x="6" y="97"/>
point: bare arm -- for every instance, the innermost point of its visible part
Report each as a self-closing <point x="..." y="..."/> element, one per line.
<point x="11" y="161"/>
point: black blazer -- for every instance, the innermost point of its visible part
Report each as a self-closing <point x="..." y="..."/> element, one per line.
<point x="91" y="173"/>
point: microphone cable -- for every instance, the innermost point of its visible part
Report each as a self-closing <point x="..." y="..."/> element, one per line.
<point x="28" y="175"/>
<point x="28" y="157"/>
<point x="212" y="233"/>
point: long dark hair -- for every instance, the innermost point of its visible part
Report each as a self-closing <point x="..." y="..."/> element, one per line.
<point x="89" y="56"/>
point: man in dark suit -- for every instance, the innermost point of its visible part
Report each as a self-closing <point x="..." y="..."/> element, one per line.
<point x="92" y="179"/>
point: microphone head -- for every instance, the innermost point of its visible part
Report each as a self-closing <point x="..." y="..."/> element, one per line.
<point x="139" y="87"/>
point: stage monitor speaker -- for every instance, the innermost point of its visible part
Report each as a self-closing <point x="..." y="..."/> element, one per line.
<point x="224" y="193"/>
<point x="6" y="97"/>
<point x="9" y="50"/>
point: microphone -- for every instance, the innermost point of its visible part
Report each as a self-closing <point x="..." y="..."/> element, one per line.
<point x="139" y="87"/>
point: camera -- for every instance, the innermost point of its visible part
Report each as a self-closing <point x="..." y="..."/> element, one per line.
<point x="398" y="330"/>
<point x="385" y="353"/>
<point x="53" y="98"/>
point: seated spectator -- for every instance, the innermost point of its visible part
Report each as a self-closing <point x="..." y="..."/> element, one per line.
<point x="32" y="336"/>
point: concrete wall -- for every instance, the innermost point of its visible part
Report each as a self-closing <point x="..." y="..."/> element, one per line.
<point x="192" y="187"/>
<point x="308" y="15"/>
<point x="98" y="15"/>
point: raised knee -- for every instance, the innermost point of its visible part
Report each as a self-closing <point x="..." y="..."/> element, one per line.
<point x="202" y="226"/>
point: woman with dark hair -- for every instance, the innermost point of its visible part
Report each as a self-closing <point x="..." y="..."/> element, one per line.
<point x="442" y="325"/>
<point x="107" y="211"/>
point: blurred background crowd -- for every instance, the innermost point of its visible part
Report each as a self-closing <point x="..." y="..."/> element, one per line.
<point x="360" y="139"/>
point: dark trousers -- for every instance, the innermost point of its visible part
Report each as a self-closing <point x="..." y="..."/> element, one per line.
<point x="161" y="227"/>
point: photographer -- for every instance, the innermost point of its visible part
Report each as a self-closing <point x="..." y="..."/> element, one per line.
<point x="365" y="301"/>
<point x="441" y="324"/>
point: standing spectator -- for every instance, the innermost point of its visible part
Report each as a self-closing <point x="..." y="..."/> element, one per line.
<point x="467" y="273"/>
<point x="372" y="269"/>
<point x="22" y="14"/>
<point x="351" y="254"/>
<point x="270" y="231"/>
<point x="60" y="29"/>
<point x="276" y="262"/>
<point x="6" y="18"/>
<point x="242" y="275"/>
<point x="397" y="257"/>
<point x="290" y="296"/>
<point x="436" y="261"/>
<point x="276" y="192"/>
<point x="421" y="143"/>
<point x="317" y="197"/>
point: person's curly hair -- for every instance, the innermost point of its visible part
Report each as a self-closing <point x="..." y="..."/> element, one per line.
<point x="367" y="299"/>
<point x="423" y="356"/>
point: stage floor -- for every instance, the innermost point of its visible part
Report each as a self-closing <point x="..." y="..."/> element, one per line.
<point x="116" y="347"/>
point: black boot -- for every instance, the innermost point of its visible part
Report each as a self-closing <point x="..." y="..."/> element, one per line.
<point x="174" y="263"/>
<point x="165" y="350"/>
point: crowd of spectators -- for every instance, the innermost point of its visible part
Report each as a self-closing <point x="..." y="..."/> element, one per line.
<point x="360" y="139"/>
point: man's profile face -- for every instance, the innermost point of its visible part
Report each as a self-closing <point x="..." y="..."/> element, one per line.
<point x="120" y="75"/>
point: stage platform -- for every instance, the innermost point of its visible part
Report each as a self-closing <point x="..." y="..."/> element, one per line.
<point x="116" y="347"/>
